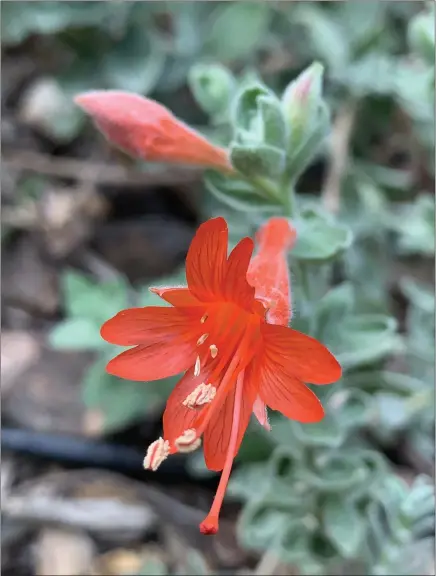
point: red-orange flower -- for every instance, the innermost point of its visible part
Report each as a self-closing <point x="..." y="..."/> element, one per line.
<point x="146" y="129"/>
<point x="217" y="332"/>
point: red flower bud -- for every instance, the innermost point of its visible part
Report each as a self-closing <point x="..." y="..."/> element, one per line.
<point x="146" y="129"/>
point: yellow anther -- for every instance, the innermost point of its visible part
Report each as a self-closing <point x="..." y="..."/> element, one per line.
<point x="202" y="339"/>
<point x="213" y="350"/>
<point x="203" y="394"/>
<point x="157" y="452"/>
<point x="203" y="318"/>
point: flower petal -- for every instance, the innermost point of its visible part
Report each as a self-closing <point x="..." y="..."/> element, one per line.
<point x="236" y="288"/>
<point x="217" y="434"/>
<point x="144" y="128"/>
<point x="206" y="260"/>
<point x="270" y="277"/>
<point x="260" y="411"/>
<point x="153" y="324"/>
<point x="268" y="271"/>
<point x="287" y="394"/>
<point x="176" y="296"/>
<point x="153" y="361"/>
<point x="300" y="356"/>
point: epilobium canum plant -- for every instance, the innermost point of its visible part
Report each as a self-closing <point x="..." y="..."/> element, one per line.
<point x="322" y="496"/>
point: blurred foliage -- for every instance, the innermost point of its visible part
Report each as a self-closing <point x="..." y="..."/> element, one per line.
<point x="87" y="306"/>
<point x="322" y="497"/>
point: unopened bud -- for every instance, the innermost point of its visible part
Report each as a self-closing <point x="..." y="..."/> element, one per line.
<point x="301" y="99"/>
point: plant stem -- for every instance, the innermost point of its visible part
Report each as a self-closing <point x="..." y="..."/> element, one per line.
<point x="289" y="203"/>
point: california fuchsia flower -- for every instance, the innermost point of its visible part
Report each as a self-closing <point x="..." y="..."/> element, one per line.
<point x="217" y="332"/>
<point x="146" y="129"/>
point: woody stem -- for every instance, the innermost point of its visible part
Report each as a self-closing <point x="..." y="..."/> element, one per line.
<point x="219" y="496"/>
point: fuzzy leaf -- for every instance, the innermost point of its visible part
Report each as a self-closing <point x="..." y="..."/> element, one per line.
<point x="238" y="194"/>
<point x="87" y="299"/>
<point x="258" y="160"/>
<point x="343" y="525"/>
<point x="325" y="433"/>
<point x="242" y="24"/>
<point x="121" y="401"/>
<point x="136" y="63"/>
<point x="260" y="526"/>
<point x="76" y="334"/>
<point x="318" y="238"/>
<point x="212" y="87"/>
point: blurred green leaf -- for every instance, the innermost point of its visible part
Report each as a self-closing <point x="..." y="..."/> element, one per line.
<point x="76" y="334"/>
<point x="326" y="35"/>
<point x="338" y="473"/>
<point x="363" y="22"/>
<point x="319" y="238"/>
<point x="415" y="227"/>
<point x="136" y="63"/>
<point x="331" y="311"/>
<point x="375" y="73"/>
<point x="421" y="34"/>
<point x="366" y="338"/>
<point x="21" y="20"/>
<point x="243" y="25"/>
<point x="343" y="525"/>
<point x="354" y="408"/>
<point x="248" y="481"/>
<point x="213" y="87"/>
<point x="246" y="115"/>
<point x="257" y="160"/>
<point x="260" y="526"/>
<point x="87" y="299"/>
<point x="326" y="433"/>
<point x="121" y="401"/>
<point x="195" y="564"/>
<point x="237" y="194"/>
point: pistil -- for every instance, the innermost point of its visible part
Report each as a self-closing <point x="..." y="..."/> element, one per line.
<point x="210" y="523"/>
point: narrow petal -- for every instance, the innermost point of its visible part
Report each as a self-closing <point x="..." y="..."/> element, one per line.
<point x="260" y="411"/>
<point x="269" y="271"/>
<point x="176" y="296"/>
<point x="144" y="128"/>
<point x="236" y="288"/>
<point x="270" y="277"/>
<point x="276" y="235"/>
<point x="206" y="260"/>
<point x="153" y="362"/>
<point x="288" y="395"/>
<point x="300" y="356"/>
<point x="218" y="432"/>
<point x="153" y="324"/>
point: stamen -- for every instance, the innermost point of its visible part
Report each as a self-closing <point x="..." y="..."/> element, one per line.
<point x="202" y="339"/>
<point x="203" y="394"/>
<point x="213" y="350"/>
<point x="204" y="318"/>
<point x="197" y="367"/>
<point x="188" y="441"/>
<point x="157" y="452"/>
